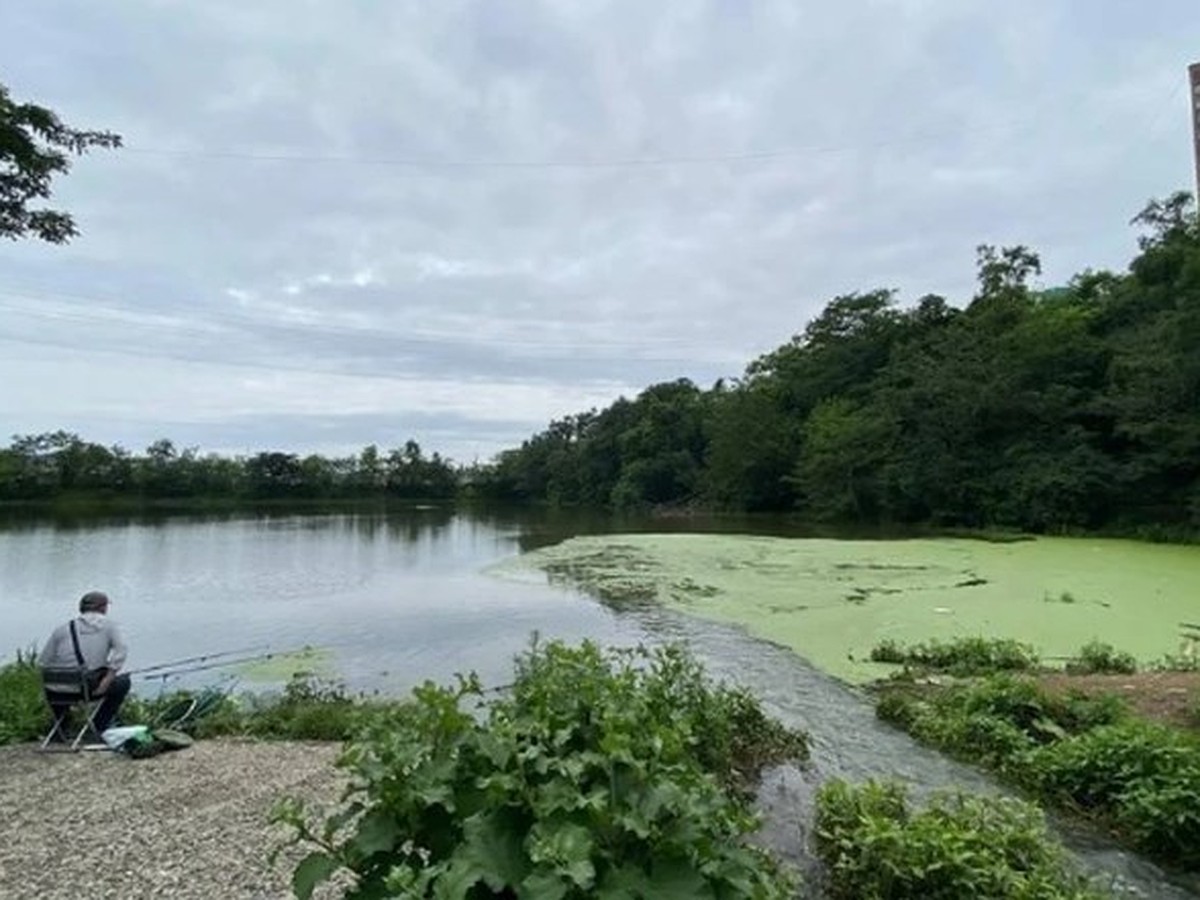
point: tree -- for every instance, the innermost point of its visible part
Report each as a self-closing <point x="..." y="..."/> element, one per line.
<point x="840" y="351"/>
<point x="840" y="470"/>
<point x="35" y="146"/>
<point x="369" y="475"/>
<point x="1166" y="220"/>
<point x="752" y="447"/>
<point x="1004" y="275"/>
<point x="275" y="474"/>
<point x="662" y="450"/>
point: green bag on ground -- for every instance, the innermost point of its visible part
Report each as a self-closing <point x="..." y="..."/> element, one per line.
<point x="152" y="742"/>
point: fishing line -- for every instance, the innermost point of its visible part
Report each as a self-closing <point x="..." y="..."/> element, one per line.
<point x="164" y="672"/>
<point x="197" y="659"/>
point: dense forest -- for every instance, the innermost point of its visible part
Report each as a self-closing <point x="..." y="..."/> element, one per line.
<point x="61" y="465"/>
<point x="1063" y="409"/>
<point x="1071" y="408"/>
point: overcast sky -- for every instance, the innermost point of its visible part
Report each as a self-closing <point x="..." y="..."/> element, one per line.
<point x="342" y="223"/>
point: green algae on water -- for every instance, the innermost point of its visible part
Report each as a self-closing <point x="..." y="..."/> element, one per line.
<point x="833" y="600"/>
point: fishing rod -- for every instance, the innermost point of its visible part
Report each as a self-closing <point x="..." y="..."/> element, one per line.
<point x="165" y="673"/>
<point x="196" y="659"/>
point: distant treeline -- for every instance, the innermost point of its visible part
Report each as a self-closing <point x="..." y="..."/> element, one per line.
<point x="49" y="467"/>
<point x="1072" y="408"/>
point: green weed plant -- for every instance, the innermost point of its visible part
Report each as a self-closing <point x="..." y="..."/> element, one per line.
<point x="1099" y="658"/>
<point x="1141" y="777"/>
<point x="965" y="656"/>
<point x="24" y="715"/>
<point x="309" y="708"/>
<point x="875" y="847"/>
<point x="1086" y="754"/>
<point x="601" y="774"/>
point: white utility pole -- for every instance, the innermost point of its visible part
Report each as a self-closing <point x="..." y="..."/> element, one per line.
<point x="1194" y="73"/>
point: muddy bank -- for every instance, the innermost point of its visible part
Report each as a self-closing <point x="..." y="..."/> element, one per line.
<point x="190" y="824"/>
<point x="1166" y="697"/>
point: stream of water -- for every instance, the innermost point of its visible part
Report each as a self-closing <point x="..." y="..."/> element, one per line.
<point x="848" y="742"/>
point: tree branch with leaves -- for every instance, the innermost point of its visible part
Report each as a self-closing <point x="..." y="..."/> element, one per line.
<point x="35" y="146"/>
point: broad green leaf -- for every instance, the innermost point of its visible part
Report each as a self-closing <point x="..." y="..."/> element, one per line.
<point x="458" y="878"/>
<point x="311" y="871"/>
<point x="625" y="882"/>
<point x="377" y="833"/>
<point x="498" y="752"/>
<point x="494" y="844"/>
<point x="569" y="846"/>
<point x="543" y="886"/>
<point x="338" y="820"/>
<point x="677" y="880"/>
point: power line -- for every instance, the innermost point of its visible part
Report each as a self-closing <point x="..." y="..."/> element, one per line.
<point x="1016" y="124"/>
<point x="612" y="163"/>
<point x="550" y="164"/>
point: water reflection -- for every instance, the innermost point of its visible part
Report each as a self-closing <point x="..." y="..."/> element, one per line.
<point x="397" y="595"/>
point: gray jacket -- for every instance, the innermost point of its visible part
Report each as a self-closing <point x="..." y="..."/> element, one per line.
<point x="100" y="642"/>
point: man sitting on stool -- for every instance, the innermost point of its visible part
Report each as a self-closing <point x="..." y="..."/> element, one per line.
<point x="93" y="642"/>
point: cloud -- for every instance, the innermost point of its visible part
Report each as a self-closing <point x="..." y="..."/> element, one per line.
<point x="537" y="207"/>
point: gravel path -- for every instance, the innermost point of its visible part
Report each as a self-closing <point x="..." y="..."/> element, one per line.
<point x="188" y="824"/>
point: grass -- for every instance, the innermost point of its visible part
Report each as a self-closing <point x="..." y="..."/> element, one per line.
<point x="738" y="738"/>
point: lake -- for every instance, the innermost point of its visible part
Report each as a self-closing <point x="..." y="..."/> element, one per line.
<point x="394" y="598"/>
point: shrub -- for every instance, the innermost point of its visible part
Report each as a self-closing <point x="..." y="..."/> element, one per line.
<point x="889" y="651"/>
<point x="1144" y="778"/>
<point x="603" y="773"/>
<point x="1086" y="753"/>
<point x="900" y="707"/>
<point x="941" y="715"/>
<point x="961" y="656"/>
<point x="24" y="715"/>
<point x="961" y="846"/>
<point x="1100" y="658"/>
<point x="309" y="708"/>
